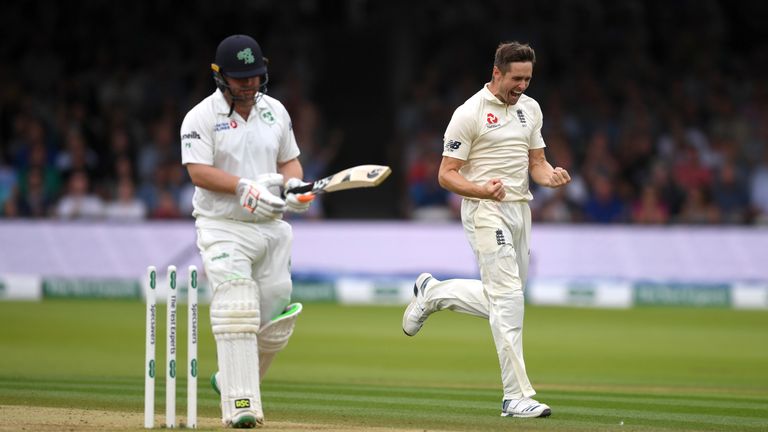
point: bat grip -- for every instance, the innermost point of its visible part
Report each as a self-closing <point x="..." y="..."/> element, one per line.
<point x="300" y="189"/>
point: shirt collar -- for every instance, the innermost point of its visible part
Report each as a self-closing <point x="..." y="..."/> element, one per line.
<point x="220" y="103"/>
<point x="487" y="95"/>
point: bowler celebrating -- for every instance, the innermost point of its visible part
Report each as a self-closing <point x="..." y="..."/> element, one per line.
<point x="492" y="145"/>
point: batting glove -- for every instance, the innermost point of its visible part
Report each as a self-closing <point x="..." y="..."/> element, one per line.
<point x="297" y="203"/>
<point x="256" y="198"/>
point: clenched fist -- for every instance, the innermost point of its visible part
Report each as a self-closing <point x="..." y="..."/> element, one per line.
<point x="559" y="177"/>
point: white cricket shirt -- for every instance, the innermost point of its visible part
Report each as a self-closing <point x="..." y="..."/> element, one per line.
<point x="494" y="139"/>
<point x="239" y="147"/>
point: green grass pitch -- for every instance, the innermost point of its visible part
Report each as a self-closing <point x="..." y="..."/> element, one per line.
<point x="642" y="369"/>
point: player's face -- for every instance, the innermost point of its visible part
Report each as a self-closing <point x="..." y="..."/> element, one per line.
<point x="511" y="84"/>
<point x="244" y="89"/>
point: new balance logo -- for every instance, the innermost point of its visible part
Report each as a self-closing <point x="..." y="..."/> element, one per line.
<point x="452" y="145"/>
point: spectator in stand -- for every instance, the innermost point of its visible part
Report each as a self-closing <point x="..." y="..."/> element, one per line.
<point x="30" y="198"/>
<point x="561" y="205"/>
<point x="31" y="148"/>
<point x="557" y="208"/>
<point x="161" y="149"/>
<point x="600" y="159"/>
<point x="604" y="205"/>
<point x="650" y="208"/>
<point x="126" y="207"/>
<point x="315" y="157"/>
<point x="30" y="135"/>
<point x="177" y="179"/>
<point x="678" y="135"/>
<point x="428" y="200"/>
<point x="121" y="151"/>
<point x="8" y="183"/>
<point x="689" y="172"/>
<point x="669" y="192"/>
<point x="636" y="156"/>
<point x="79" y="202"/>
<point x="77" y="155"/>
<point x="758" y="190"/>
<point x="698" y="208"/>
<point x="730" y="194"/>
<point x="123" y="169"/>
<point x="165" y="179"/>
<point x="166" y="207"/>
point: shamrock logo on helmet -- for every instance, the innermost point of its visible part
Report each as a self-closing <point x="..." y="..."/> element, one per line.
<point x="246" y="56"/>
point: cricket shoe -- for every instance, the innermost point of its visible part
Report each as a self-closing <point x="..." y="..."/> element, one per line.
<point x="243" y="420"/>
<point x="525" y="407"/>
<point x="247" y="420"/>
<point x="416" y="312"/>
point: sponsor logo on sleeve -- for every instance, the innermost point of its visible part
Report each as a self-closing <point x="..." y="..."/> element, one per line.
<point x="452" y="145"/>
<point x="187" y="137"/>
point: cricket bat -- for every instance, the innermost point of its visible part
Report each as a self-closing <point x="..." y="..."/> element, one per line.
<point x="351" y="178"/>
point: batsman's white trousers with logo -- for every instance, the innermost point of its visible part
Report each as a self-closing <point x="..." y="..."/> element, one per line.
<point x="499" y="233"/>
<point x="259" y="251"/>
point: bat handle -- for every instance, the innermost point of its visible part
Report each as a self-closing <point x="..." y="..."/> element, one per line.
<point x="300" y="189"/>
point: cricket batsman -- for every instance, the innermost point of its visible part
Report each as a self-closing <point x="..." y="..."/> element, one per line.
<point x="239" y="149"/>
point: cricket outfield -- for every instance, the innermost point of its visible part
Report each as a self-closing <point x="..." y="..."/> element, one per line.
<point x="78" y="365"/>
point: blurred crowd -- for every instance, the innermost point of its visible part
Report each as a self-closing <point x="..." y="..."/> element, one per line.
<point x="90" y="112"/>
<point x="659" y="114"/>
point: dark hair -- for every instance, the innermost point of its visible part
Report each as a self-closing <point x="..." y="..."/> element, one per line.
<point x="513" y="52"/>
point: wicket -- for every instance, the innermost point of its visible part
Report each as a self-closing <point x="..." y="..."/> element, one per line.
<point x="170" y="353"/>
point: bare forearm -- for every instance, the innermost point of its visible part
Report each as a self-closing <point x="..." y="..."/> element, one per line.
<point x="291" y="169"/>
<point x="450" y="179"/>
<point x="212" y="179"/>
<point x="541" y="172"/>
<point x="456" y="183"/>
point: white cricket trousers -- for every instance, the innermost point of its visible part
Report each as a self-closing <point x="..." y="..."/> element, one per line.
<point x="258" y="251"/>
<point x="499" y="233"/>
